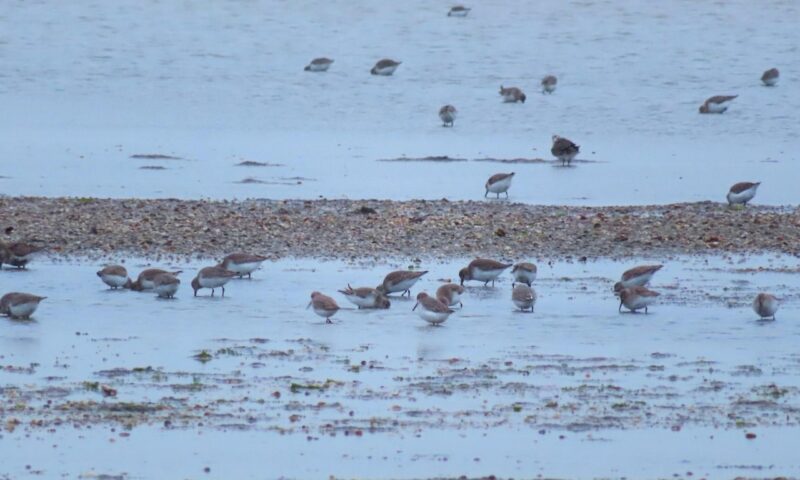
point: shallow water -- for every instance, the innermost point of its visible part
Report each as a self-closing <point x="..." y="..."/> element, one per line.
<point x="88" y="84"/>
<point x="381" y="391"/>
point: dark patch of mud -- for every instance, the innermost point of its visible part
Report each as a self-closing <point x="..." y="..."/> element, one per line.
<point x="154" y="156"/>
<point x="430" y="158"/>
<point x="253" y="163"/>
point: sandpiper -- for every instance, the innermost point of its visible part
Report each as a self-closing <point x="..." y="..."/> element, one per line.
<point x="524" y="272"/>
<point x="512" y="94"/>
<point x="385" y="67"/>
<point x="321" y="64"/>
<point x="564" y="149"/>
<point x="717" y="104"/>
<point x="636" y="298"/>
<point x="765" y="305"/>
<point x="498" y="183"/>
<point x="483" y="270"/>
<point x="637" y="276"/>
<point x="324" y="306"/>
<point x="742" y="192"/>
<point x="448" y="115"/>
<point x="458" y="11"/>
<point x="431" y="310"/>
<point x="549" y="83"/>
<point x="19" y="305"/>
<point x="400" y="281"/>
<point x="213" y="278"/>
<point x="523" y="296"/>
<point x="17" y="254"/>
<point x="770" y="77"/>
<point x="366" y="297"/>
<point x="450" y="294"/>
<point x="115" y="276"/>
<point x="165" y="285"/>
<point x="242" y="263"/>
<point x="145" y="279"/>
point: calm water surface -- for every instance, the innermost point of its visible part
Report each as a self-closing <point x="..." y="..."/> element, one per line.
<point x="85" y="85"/>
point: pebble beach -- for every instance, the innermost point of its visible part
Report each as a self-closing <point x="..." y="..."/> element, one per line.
<point x="365" y="229"/>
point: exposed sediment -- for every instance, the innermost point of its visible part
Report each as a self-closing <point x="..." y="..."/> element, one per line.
<point x="381" y="228"/>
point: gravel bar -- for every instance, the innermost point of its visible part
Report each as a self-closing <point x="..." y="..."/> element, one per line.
<point x="362" y="229"/>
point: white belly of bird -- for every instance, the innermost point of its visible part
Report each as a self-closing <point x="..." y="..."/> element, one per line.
<point x="434" y="318"/>
<point x="549" y="88"/>
<point x="363" y="302"/>
<point x="500" y="186"/>
<point x="639" y="303"/>
<point x="166" y="290"/>
<point x="524" y="276"/>
<point x="212" y="282"/>
<point x="768" y="308"/>
<point x="638" y="281"/>
<point x="324" y="313"/>
<point x="402" y="286"/>
<point x="447" y="117"/>
<point x="486" y="275"/>
<point x="22" y="310"/>
<point x="523" y="304"/>
<point x="455" y="299"/>
<point x="114" y="280"/>
<point x="386" y="70"/>
<point x="243" y="268"/>
<point x="742" y="197"/>
<point x="147" y="284"/>
<point x="717" y="107"/>
<point x="458" y="13"/>
<point x="318" y="67"/>
<point x="509" y="98"/>
<point x="771" y="82"/>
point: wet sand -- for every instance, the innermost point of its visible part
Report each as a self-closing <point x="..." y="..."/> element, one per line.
<point x="358" y="229"/>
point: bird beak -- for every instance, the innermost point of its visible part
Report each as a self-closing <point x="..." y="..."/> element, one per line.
<point x="620" y="306"/>
<point x="309" y="305"/>
<point x="415" y="306"/>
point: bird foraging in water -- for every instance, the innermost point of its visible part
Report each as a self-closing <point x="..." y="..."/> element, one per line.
<point x="19" y="305"/>
<point x="366" y="297"/>
<point x="523" y="296"/>
<point x="448" y="115"/>
<point x="321" y="64"/>
<point x="115" y="276"/>
<point x="400" y="281"/>
<point x="765" y="305"/>
<point x="450" y="294"/>
<point x="213" y="278"/>
<point x="483" y="270"/>
<point x="637" y="276"/>
<point x="385" y="67"/>
<point x="742" y="192"/>
<point x="431" y="310"/>
<point x="770" y="77"/>
<point x="636" y="298"/>
<point x="524" y="272"/>
<point x="717" y="104"/>
<point x="564" y="149"/>
<point x="498" y="183"/>
<point x="512" y="95"/>
<point x="549" y="83"/>
<point x="324" y="306"/>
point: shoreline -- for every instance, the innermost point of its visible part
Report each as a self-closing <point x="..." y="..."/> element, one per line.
<point x="373" y="229"/>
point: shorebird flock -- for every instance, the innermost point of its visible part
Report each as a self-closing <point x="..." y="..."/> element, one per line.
<point x="631" y="288"/>
<point x="563" y="149"/>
